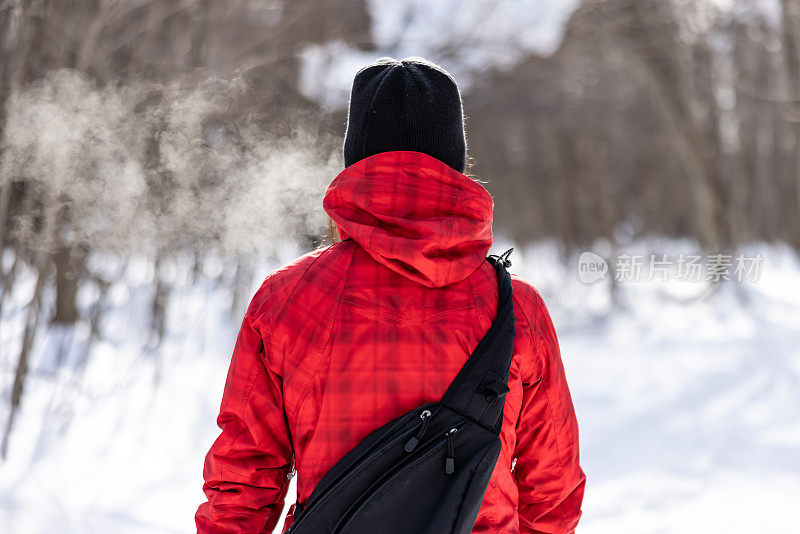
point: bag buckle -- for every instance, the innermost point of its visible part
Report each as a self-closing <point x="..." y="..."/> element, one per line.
<point x="503" y="258"/>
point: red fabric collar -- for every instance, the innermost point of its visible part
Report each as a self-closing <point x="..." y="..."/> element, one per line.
<point x="413" y="214"/>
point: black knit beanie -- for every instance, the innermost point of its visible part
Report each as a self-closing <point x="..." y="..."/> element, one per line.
<point x="412" y="104"/>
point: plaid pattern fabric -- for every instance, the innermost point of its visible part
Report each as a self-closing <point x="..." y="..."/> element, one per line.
<point x="350" y="336"/>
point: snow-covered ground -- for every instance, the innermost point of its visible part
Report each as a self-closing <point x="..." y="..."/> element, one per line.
<point x="688" y="403"/>
<point x="689" y="410"/>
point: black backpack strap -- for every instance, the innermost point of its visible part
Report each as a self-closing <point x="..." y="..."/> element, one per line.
<point x="480" y="388"/>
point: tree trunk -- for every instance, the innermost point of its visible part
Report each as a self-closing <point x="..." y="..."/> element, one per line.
<point x="21" y="373"/>
<point x="789" y="34"/>
<point x="69" y="267"/>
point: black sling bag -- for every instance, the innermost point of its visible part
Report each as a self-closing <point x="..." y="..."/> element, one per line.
<point x="425" y="472"/>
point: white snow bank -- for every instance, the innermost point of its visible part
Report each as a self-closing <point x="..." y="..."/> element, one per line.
<point x="464" y="37"/>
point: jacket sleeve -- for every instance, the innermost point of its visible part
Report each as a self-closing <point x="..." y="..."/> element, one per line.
<point x="548" y="472"/>
<point x="246" y="469"/>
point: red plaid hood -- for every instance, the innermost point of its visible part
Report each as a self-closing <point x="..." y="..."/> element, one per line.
<point x="413" y="214"/>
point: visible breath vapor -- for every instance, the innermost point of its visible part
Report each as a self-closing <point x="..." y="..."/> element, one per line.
<point x="140" y="167"/>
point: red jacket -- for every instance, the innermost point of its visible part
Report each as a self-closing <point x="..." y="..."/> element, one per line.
<point x="350" y="336"/>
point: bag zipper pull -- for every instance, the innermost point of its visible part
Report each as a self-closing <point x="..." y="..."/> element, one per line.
<point x="412" y="443"/>
<point x="450" y="461"/>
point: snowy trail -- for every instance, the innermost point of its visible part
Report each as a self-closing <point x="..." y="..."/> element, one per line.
<point x="689" y="413"/>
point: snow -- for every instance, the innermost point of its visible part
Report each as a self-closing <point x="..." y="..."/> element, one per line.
<point x="688" y="402"/>
<point x="689" y="413"/>
<point x="464" y="38"/>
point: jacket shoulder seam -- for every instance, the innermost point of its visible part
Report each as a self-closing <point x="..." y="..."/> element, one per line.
<point x="306" y="387"/>
<point x="277" y="313"/>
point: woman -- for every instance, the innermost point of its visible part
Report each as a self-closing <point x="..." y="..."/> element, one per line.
<point x="350" y="336"/>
